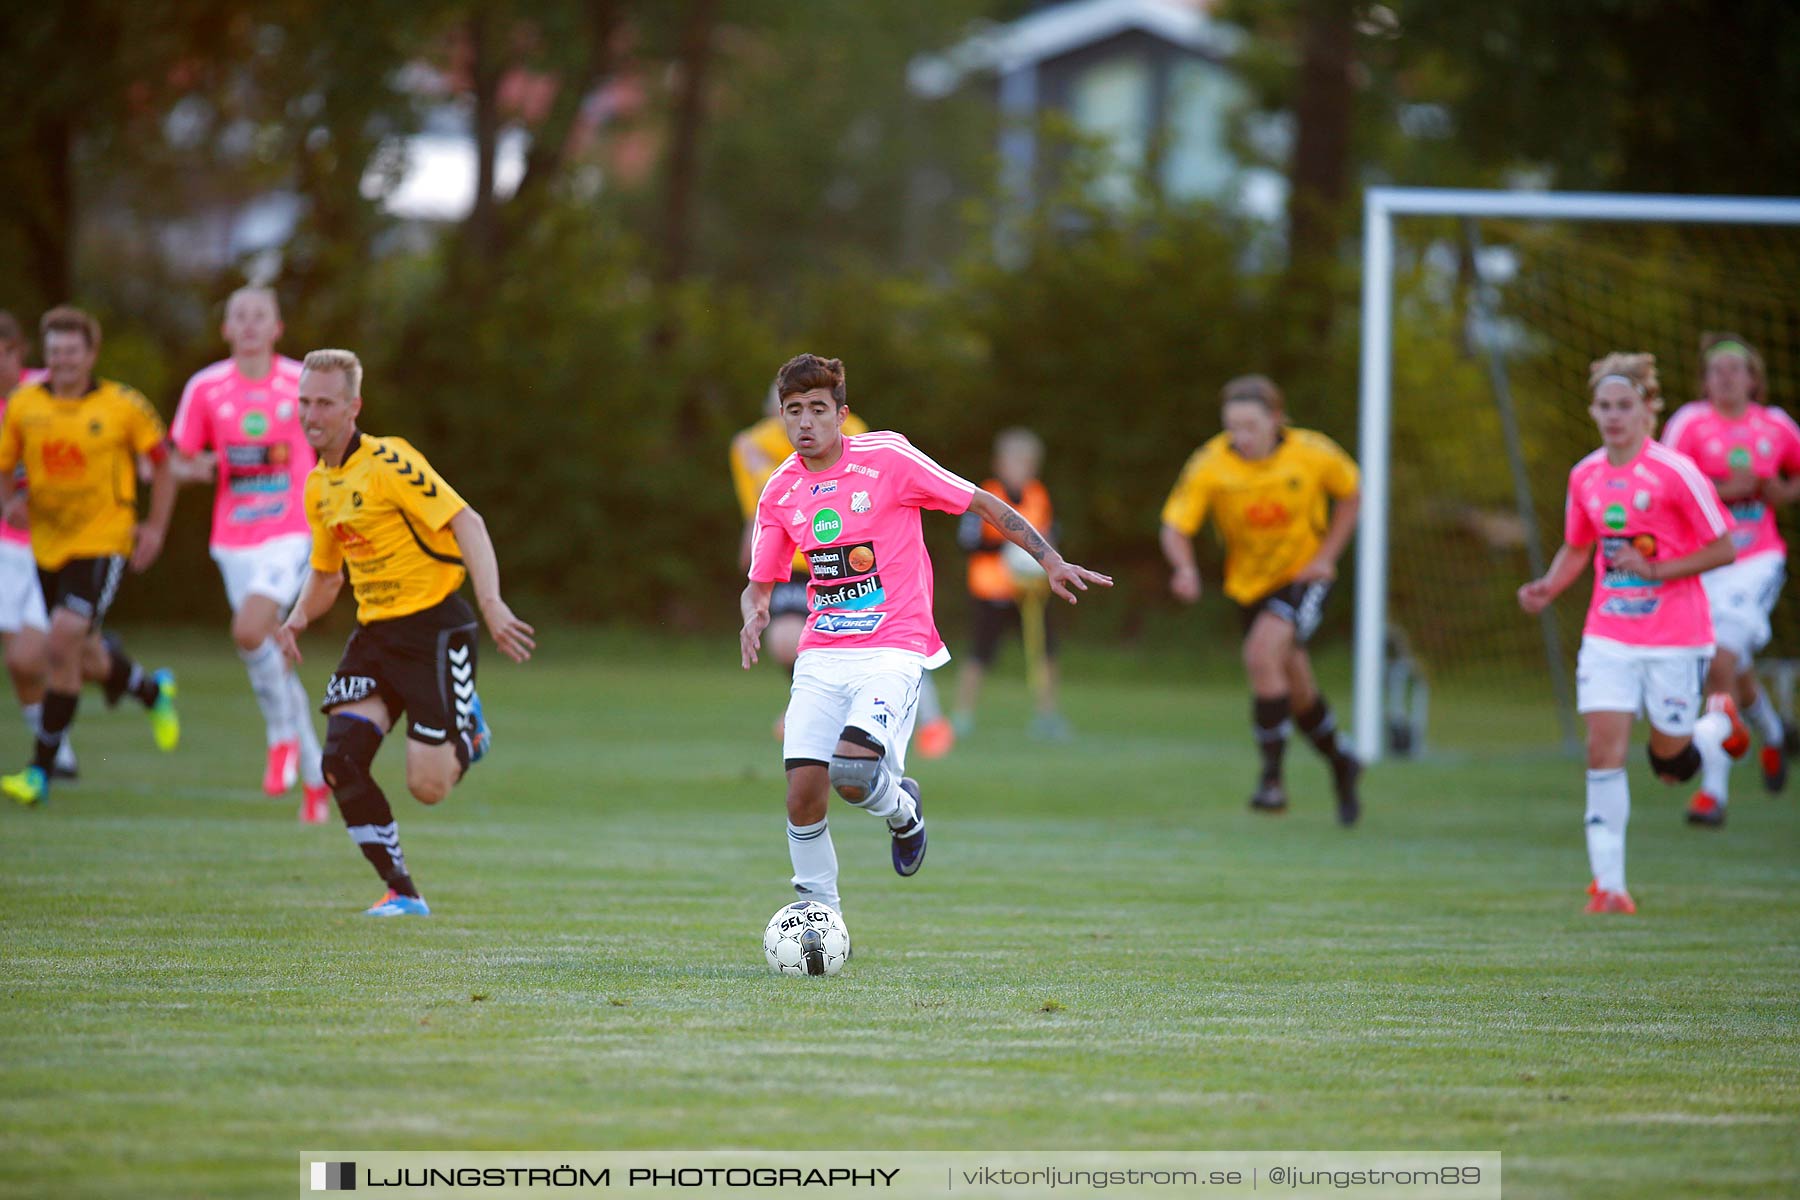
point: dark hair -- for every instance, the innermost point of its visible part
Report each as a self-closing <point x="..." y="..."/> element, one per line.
<point x="807" y="372"/>
<point x="1256" y="389"/>
<point x="66" y="318"/>
<point x="1731" y="343"/>
<point x="10" y="333"/>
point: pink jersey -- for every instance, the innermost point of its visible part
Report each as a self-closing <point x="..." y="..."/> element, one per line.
<point x="1661" y="504"/>
<point x="253" y="426"/>
<point x="858" y="525"/>
<point x="20" y="537"/>
<point x="1766" y="440"/>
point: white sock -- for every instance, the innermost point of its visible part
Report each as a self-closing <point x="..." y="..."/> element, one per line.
<point x="1762" y="717"/>
<point x="815" y="863"/>
<point x="1710" y="732"/>
<point x="891" y="803"/>
<point x="300" y="707"/>
<point x="268" y="679"/>
<point x="1608" y="810"/>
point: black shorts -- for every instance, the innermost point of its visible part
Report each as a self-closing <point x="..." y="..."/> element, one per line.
<point x="84" y="586"/>
<point x="422" y="665"/>
<point x="789" y="599"/>
<point x="990" y="619"/>
<point x="1299" y="604"/>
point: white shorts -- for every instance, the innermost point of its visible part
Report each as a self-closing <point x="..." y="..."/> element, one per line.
<point x="275" y="568"/>
<point x="1663" y="683"/>
<point x="875" y="690"/>
<point x="1742" y="595"/>
<point x="21" y="597"/>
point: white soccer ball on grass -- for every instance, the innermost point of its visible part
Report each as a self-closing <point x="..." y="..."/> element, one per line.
<point x="806" y="938"/>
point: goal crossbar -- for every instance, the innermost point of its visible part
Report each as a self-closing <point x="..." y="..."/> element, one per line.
<point x="1381" y="205"/>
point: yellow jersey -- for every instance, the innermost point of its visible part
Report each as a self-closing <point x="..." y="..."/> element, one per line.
<point x="386" y="515"/>
<point x="757" y="451"/>
<point x="1271" y="513"/>
<point x="80" y="459"/>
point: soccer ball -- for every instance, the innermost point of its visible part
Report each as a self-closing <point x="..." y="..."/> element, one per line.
<point x="806" y="938"/>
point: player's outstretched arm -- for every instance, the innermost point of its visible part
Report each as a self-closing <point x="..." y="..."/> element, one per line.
<point x="754" y="604"/>
<point x="195" y="468"/>
<point x="515" y="638"/>
<point x="155" y="528"/>
<point x="1323" y="567"/>
<point x="1184" y="572"/>
<point x="317" y="596"/>
<point x="1565" y="568"/>
<point x="1714" y="554"/>
<point x="1063" y="575"/>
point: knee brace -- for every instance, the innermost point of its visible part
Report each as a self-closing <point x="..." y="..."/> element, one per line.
<point x="857" y="779"/>
<point x="1681" y="768"/>
<point x="349" y="752"/>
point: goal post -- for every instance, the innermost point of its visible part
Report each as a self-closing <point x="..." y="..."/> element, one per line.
<point x="1383" y="206"/>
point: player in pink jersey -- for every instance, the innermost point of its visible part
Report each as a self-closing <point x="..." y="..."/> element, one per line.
<point x="851" y="505"/>
<point x="239" y="421"/>
<point x="24" y="621"/>
<point x="1752" y="455"/>
<point x="1650" y="524"/>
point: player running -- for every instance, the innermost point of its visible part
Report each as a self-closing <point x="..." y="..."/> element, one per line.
<point x="851" y="505"/>
<point x="1267" y="487"/>
<point x="755" y="453"/>
<point x="1654" y="525"/>
<point x="1751" y="454"/>
<point x="239" y="420"/>
<point x="24" y="622"/>
<point x="78" y="438"/>
<point x="1006" y="589"/>
<point x="406" y="539"/>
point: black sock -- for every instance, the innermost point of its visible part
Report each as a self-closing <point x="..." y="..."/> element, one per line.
<point x="371" y="826"/>
<point x="125" y="676"/>
<point x="59" y="714"/>
<point x="1319" y="725"/>
<point x="1270" y="717"/>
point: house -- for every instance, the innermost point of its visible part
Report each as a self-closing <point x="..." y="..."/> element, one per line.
<point x="1141" y="77"/>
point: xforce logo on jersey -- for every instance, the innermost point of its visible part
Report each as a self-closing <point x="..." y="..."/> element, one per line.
<point x="842" y="562"/>
<point x="864" y="593"/>
<point x="847" y="624"/>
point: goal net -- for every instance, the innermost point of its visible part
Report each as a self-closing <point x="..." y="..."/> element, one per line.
<point x="1475" y="408"/>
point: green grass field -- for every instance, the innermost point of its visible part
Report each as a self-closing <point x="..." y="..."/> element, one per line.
<point x="1104" y="950"/>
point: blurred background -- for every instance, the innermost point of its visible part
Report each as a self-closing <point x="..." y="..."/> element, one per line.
<point x="573" y="239"/>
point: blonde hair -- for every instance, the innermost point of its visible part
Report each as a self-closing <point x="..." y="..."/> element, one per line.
<point x="1731" y="343"/>
<point x="1637" y="369"/>
<point x="254" y="289"/>
<point x="337" y="360"/>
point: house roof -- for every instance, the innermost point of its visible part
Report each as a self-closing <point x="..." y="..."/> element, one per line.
<point x="1052" y="32"/>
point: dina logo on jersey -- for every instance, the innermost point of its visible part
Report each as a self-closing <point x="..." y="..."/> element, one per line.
<point x="254" y="424"/>
<point x="1614" y="516"/>
<point x="1739" y="458"/>
<point x="842" y="562"/>
<point x="827" y="525"/>
<point x="864" y="593"/>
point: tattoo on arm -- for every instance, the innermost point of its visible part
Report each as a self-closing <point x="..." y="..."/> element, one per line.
<point x="1033" y="542"/>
